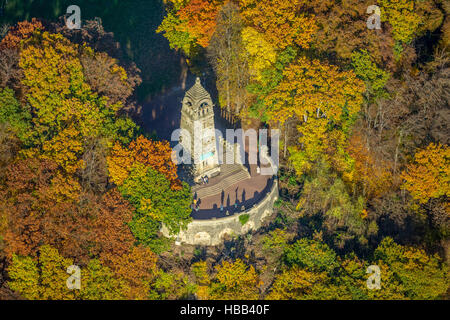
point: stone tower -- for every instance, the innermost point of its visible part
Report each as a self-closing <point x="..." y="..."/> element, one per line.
<point x="197" y="116"/>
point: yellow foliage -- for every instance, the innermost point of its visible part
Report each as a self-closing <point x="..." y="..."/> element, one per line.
<point x="402" y="16"/>
<point x="429" y="175"/>
<point x="281" y="21"/>
<point x="261" y="54"/>
<point x="119" y="164"/>
<point x="155" y="154"/>
<point x="294" y="284"/>
<point x="235" y="281"/>
<point x="325" y="100"/>
<point x="65" y="149"/>
<point x="200" y="270"/>
<point x="310" y="87"/>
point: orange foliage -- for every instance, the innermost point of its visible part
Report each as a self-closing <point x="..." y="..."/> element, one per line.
<point x="201" y="19"/>
<point x="373" y="175"/>
<point x="112" y="234"/>
<point x="155" y="154"/>
<point x="23" y="30"/>
<point x="138" y="268"/>
<point x="429" y="175"/>
<point x="42" y="205"/>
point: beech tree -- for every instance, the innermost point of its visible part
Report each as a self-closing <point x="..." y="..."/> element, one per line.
<point x="43" y="206"/>
<point x="295" y="284"/>
<point x="23" y="30"/>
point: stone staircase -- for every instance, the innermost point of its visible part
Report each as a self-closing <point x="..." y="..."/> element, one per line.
<point x="230" y="174"/>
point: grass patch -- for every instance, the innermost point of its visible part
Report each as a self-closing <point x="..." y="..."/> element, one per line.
<point x="244" y="218"/>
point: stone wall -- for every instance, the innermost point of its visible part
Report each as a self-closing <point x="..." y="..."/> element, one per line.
<point x="215" y="231"/>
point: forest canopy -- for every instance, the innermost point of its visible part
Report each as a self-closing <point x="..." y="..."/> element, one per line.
<point x="364" y="175"/>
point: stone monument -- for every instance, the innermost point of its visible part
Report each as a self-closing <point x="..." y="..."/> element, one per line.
<point x="197" y="118"/>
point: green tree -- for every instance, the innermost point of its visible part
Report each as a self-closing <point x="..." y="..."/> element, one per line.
<point x="24" y="274"/>
<point x="98" y="282"/>
<point x="42" y="279"/>
<point x="151" y="194"/>
<point x="367" y="70"/>
<point x="311" y="255"/>
<point x="14" y="115"/>
<point x="171" y="286"/>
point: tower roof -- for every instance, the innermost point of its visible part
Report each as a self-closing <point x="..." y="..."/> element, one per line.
<point x="197" y="92"/>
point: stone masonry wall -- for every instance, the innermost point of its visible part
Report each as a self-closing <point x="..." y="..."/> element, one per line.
<point x="215" y="231"/>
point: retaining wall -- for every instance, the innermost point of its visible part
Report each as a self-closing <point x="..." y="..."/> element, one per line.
<point x="215" y="231"/>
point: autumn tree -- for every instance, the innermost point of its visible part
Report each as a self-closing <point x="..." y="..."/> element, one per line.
<point x="429" y="176"/>
<point x="295" y="284"/>
<point x="13" y="115"/>
<point x="367" y="70"/>
<point x="23" y="30"/>
<point x="189" y="24"/>
<point x="44" y="206"/>
<point x="311" y="255"/>
<point x="326" y="101"/>
<point x="270" y="79"/>
<point x="171" y="286"/>
<point x="110" y="227"/>
<point x="66" y="109"/>
<point x="156" y="204"/>
<point x="282" y="22"/>
<point x="154" y="154"/>
<point x="106" y="77"/>
<point x="44" y="279"/>
<point x="98" y="282"/>
<point x="200" y="17"/>
<point x="235" y="281"/>
<point x="10" y="73"/>
<point x="410" y="18"/>
<point x="137" y="269"/>
<point x="227" y="55"/>
<point x="260" y="53"/>
<point x="175" y="31"/>
<point x="345" y="219"/>
<point x="351" y="282"/>
<point x="94" y="172"/>
<point x="422" y="276"/>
